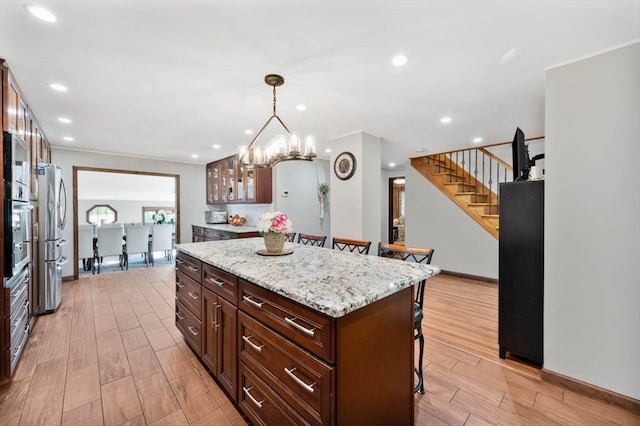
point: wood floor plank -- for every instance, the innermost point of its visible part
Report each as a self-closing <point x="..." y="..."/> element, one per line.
<point x="157" y="397"/>
<point x="150" y="321"/>
<point x="88" y="414"/>
<point x="173" y="362"/>
<point x="143" y="362"/>
<point x="441" y="409"/>
<point x="134" y="339"/>
<point x="83" y="378"/>
<point x="193" y="396"/>
<point x="601" y="409"/>
<point x="217" y="417"/>
<point x="13" y="394"/>
<point x="49" y="373"/>
<point x="43" y="407"/>
<point x="487" y="411"/>
<point x="569" y="413"/>
<point x="177" y="418"/>
<point x="141" y="308"/>
<point x="120" y="401"/>
<point x="160" y="339"/>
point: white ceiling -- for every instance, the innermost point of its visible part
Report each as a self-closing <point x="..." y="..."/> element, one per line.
<point x="170" y="78"/>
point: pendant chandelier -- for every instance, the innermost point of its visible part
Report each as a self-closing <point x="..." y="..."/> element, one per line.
<point x="282" y="147"/>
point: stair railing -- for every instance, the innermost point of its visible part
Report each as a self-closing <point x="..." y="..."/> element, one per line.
<point x="483" y="168"/>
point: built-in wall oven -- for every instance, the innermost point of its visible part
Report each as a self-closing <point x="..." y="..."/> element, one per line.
<point x="17" y="247"/>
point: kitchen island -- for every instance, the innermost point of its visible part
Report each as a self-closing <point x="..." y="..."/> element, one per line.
<point x="318" y="336"/>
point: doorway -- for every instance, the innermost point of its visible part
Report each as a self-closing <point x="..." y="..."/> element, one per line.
<point x="396" y="210"/>
<point x="138" y="185"/>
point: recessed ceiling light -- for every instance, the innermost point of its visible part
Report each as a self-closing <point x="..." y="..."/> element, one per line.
<point x="58" y="87"/>
<point x="420" y="150"/>
<point x="40" y="13"/>
<point x="400" y="60"/>
<point x="68" y="138"/>
<point x="248" y="132"/>
<point x="445" y="120"/>
<point x="392" y="164"/>
<point x="327" y="150"/>
<point x="477" y="140"/>
<point x="215" y="146"/>
<point x="194" y="155"/>
<point x="301" y="107"/>
<point x="64" y="120"/>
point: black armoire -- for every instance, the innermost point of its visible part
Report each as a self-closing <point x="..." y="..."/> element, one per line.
<point x="521" y="269"/>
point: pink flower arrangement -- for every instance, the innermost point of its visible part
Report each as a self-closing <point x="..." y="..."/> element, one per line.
<point x="277" y="222"/>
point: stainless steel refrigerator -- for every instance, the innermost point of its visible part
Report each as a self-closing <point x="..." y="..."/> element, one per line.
<point x="52" y="200"/>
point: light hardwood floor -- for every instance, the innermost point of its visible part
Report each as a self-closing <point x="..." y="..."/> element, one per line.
<point x="112" y="355"/>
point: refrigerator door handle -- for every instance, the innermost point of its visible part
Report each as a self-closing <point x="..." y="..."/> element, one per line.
<point x="63" y="202"/>
<point x="61" y="243"/>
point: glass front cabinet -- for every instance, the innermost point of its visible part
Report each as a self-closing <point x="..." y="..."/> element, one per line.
<point x="229" y="182"/>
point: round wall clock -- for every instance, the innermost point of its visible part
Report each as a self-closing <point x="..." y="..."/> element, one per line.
<point x="345" y="165"/>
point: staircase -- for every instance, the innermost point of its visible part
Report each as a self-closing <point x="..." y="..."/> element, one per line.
<point x="470" y="178"/>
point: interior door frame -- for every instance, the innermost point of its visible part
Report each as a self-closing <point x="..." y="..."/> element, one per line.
<point x="77" y="169"/>
<point x="390" y="208"/>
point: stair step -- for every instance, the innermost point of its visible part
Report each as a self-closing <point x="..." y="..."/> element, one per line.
<point x="487" y="208"/>
<point x="464" y="187"/>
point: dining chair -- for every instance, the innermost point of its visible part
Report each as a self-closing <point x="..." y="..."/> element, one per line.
<point x="311" y="240"/>
<point x="354" y="246"/>
<point x="290" y="237"/>
<point x="162" y="240"/>
<point x="86" y="248"/>
<point x="137" y="242"/>
<point x="418" y="255"/>
<point x="109" y="243"/>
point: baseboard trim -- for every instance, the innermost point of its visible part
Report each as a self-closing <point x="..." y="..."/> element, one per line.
<point x="470" y="276"/>
<point x="591" y="391"/>
<point x="67" y="278"/>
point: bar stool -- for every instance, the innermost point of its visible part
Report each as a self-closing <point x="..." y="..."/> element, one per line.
<point x="418" y="255"/>
<point x="354" y="246"/>
<point x="290" y="237"/>
<point x="311" y="240"/>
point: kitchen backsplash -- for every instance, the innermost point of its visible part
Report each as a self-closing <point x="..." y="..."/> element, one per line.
<point x="251" y="212"/>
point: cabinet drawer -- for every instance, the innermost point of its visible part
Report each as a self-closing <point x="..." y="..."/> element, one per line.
<point x="261" y="404"/>
<point x="302" y="380"/>
<point x="220" y="282"/>
<point x="189" y="266"/>
<point x="197" y="230"/>
<point x="189" y="326"/>
<point x="188" y="292"/>
<point x="309" y="329"/>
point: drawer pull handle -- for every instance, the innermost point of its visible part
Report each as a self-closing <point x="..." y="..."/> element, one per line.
<point x="179" y="284"/>
<point x="252" y="302"/>
<point x="255" y="401"/>
<point x="191" y="328"/>
<point x="216" y="281"/>
<point x="193" y="295"/>
<point x="253" y="345"/>
<point x="192" y="268"/>
<point x="307" y="331"/>
<point x="179" y="315"/>
<point x="297" y="380"/>
<point x="179" y="261"/>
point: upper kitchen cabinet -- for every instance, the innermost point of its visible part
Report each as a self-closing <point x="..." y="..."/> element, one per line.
<point x="229" y="182"/>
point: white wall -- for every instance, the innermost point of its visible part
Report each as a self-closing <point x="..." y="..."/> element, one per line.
<point x="433" y="220"/>
<point x="592" y="221"/>
<point x="128" y="211"/>
<point x="192" y="187"/>
<point x="356" y="202"/>
<point x="302" y="205"/>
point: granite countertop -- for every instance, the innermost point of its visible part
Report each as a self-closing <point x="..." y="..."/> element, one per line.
<point x="227" y="227"/>
<point x="329" y="281"/>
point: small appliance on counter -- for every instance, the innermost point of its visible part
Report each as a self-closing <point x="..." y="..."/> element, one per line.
<point x="215" y="216"/>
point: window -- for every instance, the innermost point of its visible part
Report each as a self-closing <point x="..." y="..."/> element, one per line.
<point x="167" y="215"/>
<point x="101" y="213"/>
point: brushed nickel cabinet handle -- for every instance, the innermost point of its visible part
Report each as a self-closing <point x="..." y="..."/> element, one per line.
<point x="216" y="281"/>
<point x="255" y="401"/>
<point x="193" y="295"/>
<point x="253" y="345"/>
<point x="191" y="328"/>
<point x="307" y="331"/>
<point x="179" y="261"/>
<point x="179" y="315"/>
<point x="192" y="268"/>
<point x="297" y="380"/>
<point x="179" y="284"/>
<point x="252" y="302"/>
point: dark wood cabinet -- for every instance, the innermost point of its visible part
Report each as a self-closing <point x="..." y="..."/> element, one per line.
<point x="201" y="233"/>
<point x="521" y="270"/>
<point x="229" y="182"/>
